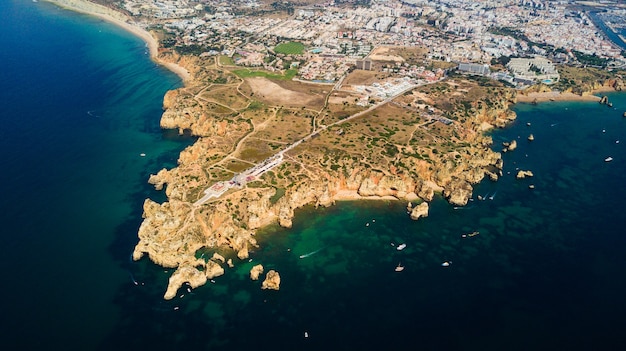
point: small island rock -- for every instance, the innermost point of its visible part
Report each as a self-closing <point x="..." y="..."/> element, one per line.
<point x="420" y="210"/>
<point x="217" y="257"/>
<point x="523" y="174"/>
<point x="256" y="271"/>
<point x="272" y="281"/>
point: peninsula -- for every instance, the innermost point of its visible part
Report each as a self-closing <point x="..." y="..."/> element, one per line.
<point x="304" y="103"/>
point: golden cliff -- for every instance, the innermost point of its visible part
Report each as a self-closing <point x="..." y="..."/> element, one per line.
<point x="406" y="155"/>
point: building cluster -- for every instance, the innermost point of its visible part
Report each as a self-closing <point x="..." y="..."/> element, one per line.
<point x="340" y="37"/>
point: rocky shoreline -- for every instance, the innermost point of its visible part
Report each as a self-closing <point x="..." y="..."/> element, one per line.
<point x="173" y="232"/>
<point x="446" y="158"/>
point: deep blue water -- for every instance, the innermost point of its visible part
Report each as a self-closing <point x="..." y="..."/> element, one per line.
<point x="80" y="100"/>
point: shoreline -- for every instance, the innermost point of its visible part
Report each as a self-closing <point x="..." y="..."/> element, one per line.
<point x="559" y="96"/>
<point x="121" y="20"/>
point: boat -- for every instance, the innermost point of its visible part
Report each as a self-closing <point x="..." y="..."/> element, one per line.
<point x="310" y="254"/>
<point x="608" y="159"/>
<point x="446" y="264"/>
<point x="142" y="154"/>
<point x="399" y="268"/>
<point x="401" y="247"/>
<point x="470" y="234"/>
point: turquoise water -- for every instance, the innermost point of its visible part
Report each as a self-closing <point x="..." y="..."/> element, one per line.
<point x="81" y="101"/>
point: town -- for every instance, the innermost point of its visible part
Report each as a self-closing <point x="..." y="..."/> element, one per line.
<point x="336" y="34"/>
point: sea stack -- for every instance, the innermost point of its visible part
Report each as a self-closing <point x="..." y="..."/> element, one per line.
<point x="272" y="281"/>
<point x="256" y="271"/>
<point x="531" y="137"/>
<point x="604" y="100"/>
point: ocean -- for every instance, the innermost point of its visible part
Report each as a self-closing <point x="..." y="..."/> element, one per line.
<point x="80" y="101"/>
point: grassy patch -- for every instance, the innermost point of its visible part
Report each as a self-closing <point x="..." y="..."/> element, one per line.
<point x="245" y="73"/>
<point x="290" y="48"/>
<point x="226" y="61"/>
<point x="279" y="193"/>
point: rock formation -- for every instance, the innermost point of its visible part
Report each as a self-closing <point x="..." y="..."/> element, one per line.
<point x="272" y="281"/>
<point x="510" y="146"/>
<point x="523" y="174"/>
<point x="604" y="100"/>
<point x="213" y="269"/>
<point x="172" y="232"/>
<point x="184" y="274"/>
<point x="420" y="210"/>
<point x="256" y="271"/>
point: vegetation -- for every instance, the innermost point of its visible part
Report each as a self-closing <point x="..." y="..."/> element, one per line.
<point x="290" y="48"/>
<point x="246" y="73"/>
<point x="591" y="60"/>
<point x="226" y="61"/>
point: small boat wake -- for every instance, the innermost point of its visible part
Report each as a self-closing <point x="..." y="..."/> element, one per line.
<point x="132" y="277"/>
<point x="310" y="253"/>
<point x="493" y="196"/>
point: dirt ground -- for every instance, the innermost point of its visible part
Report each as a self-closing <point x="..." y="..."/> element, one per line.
<point x="273" y="94"/>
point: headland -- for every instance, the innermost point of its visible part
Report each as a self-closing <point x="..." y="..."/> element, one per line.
<point x="395" y="122"/>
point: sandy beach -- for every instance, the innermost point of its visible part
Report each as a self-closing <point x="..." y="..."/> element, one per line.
<point x="125" y="23"/>
<point x="555" y="96"/>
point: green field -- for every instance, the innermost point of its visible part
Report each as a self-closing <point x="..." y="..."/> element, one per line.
<point x="290" y="48"/>
<point x="245" y="73"/>
<point x="226" y="61"/>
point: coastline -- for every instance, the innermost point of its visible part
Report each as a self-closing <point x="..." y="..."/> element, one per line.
<point x="124" y="22"/>
<point x="558" y="96"/>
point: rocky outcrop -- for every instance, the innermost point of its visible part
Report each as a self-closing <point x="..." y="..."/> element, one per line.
<point x="256" y="271"/>
<point x="604" y="100"/>
<point x="458" y="192"/>
<point x="218" y="258"/>
<point x="172" y="232"/>
<point x="523" y="174"/>
<point x="272" y="281"/>
<point x="419" y="211"/>
<point x="184" y="274"/>
<point x="213" y="269"/>
<point x="510" y="146"/>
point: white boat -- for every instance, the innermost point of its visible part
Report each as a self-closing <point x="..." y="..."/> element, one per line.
<point x="399" y="268"/>
<point x="608" y="159"/>
<point x="310" y="254"/>
<point x="401" y="247"/>
<point x="446" y="264"/>
<point x="142" y="154"/>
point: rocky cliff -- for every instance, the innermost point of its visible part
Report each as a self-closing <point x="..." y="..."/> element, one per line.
<point x="173" y="232"/>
